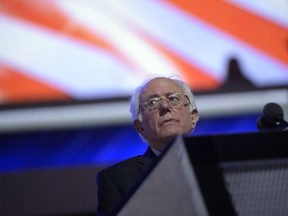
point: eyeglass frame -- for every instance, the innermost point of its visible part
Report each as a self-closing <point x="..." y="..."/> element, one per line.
<point x="146" y="101"/>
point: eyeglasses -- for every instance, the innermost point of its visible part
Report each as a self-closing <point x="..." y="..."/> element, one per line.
<point x="173" y="100"/>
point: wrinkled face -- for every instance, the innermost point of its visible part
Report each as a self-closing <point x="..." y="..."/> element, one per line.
<point x="162" y="125"/>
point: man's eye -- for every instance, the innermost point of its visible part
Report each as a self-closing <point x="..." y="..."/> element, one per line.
<point x="173" y="98"/>
<point x="152" y="101"/>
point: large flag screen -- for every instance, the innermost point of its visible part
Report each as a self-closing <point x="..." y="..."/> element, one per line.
<point x="74" y="50"/>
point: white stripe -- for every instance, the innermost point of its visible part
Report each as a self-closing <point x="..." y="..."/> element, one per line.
<point x="106" y="114"/>
<point x="273" y="10"/>
<point x="71" y="66"/>
<point x="100" y="17"/>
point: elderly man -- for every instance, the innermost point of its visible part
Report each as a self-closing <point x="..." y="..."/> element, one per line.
<point x="162" y="108"/>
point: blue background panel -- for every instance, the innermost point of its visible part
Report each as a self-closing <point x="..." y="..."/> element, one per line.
<point x="94" y="146"/>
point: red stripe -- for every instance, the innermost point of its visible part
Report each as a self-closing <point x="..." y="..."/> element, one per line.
<point x="15" y="87"/>
<point x="262" y="34"/>
<point x="46" y="13"/>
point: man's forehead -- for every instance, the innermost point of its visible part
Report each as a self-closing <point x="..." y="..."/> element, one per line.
<point x="161" y="86"/>
<point x="156" y="82"/>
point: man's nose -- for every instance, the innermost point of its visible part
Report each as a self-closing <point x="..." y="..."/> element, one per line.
<point x="164" y="104"/>
<point x="164" y="107"/>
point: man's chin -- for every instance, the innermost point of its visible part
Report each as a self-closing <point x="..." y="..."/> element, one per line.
<point x="171" y="137"/>
<point x="173" y="133"/>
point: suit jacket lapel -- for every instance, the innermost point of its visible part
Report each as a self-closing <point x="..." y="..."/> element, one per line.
<point x="146" y="160"/>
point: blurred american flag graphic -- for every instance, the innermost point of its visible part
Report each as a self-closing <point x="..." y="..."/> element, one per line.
<point x="69" y="49"/>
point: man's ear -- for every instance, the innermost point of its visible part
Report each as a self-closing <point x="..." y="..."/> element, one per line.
<point x="194" y="117"/>
<point x="138" y="126"/>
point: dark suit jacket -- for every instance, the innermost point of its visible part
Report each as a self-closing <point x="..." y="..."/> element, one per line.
<point x="115" y="181"/>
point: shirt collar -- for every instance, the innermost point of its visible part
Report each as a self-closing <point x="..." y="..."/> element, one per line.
<point x="156" y="152"/>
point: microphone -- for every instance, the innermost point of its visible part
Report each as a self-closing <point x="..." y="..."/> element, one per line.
<point x="272" y="118"/>
<point x="273" y="112"/>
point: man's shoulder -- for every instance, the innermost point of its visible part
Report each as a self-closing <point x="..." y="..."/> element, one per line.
<point x="124" y="164"/>
<point x="130" y="165"/>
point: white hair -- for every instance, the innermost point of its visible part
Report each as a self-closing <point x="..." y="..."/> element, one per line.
<point x="135" y="99"/>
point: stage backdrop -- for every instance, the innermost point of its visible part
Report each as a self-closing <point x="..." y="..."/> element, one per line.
<point x="64" y="50"/>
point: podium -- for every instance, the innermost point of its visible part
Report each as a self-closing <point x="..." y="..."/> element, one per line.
<point x="232" y="174"/>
